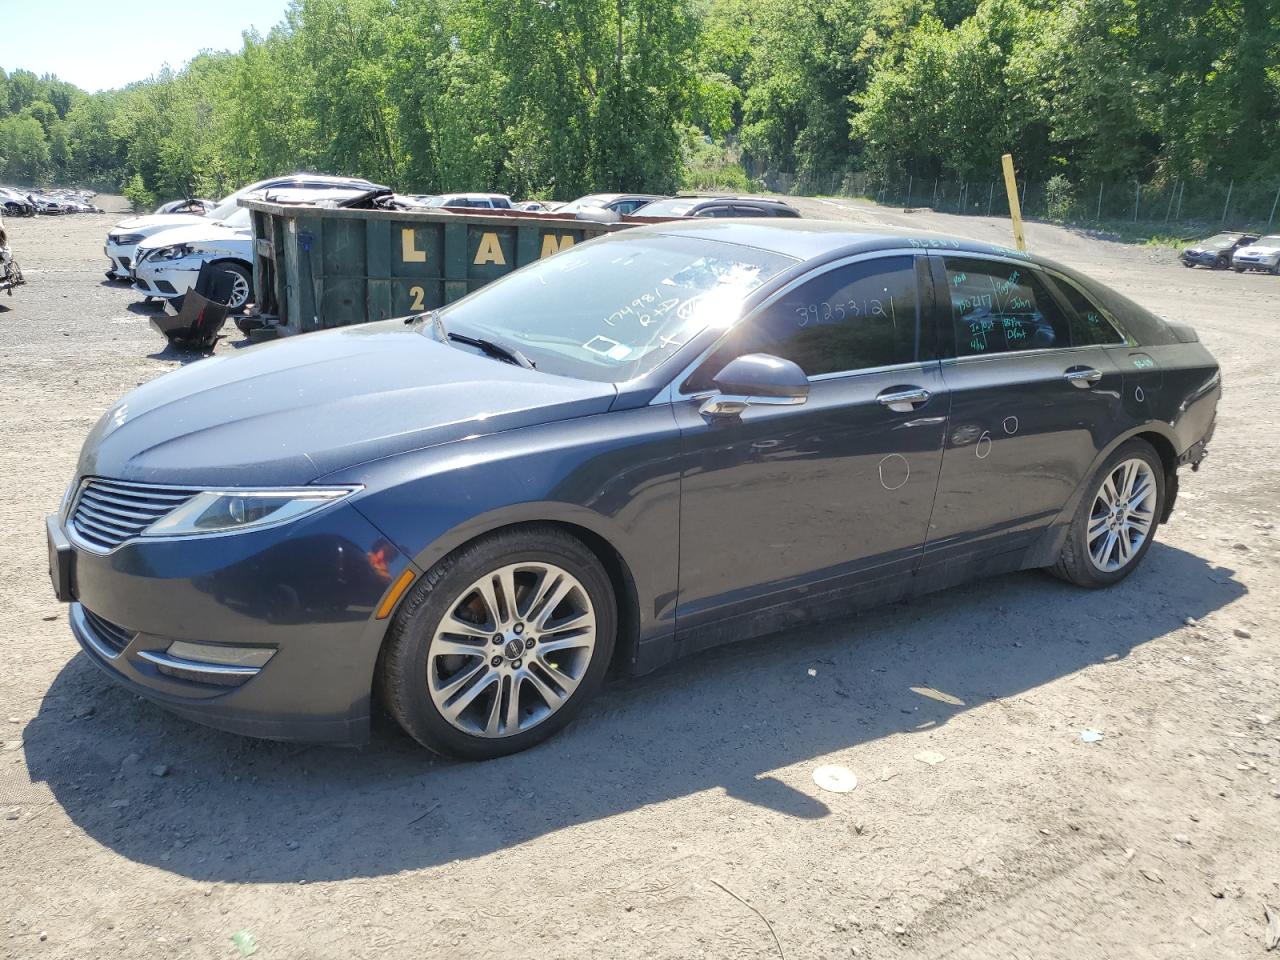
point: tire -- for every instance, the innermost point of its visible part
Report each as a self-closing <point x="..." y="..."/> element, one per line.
<point x="1220" y="264"/>
<point x="1237" y="269"/>
<point x="1078" y="563"/>
<point x="243" y="291"/>
<point x="446" y="700"/>
<point x="1275" y="269"/>
<point x="1188" y="264"/>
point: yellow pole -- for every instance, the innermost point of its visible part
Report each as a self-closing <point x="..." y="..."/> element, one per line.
<point x="1015" y="208"/>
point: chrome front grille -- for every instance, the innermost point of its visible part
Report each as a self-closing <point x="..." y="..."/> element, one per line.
<point x="113" y="637"/>
<point x="109" y="512"/>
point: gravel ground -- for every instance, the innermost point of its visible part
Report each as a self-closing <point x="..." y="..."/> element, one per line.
<point x="679" y="818"/>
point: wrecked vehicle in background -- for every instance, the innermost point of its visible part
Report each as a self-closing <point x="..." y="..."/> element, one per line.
<point x="10" y="273"/>
<point x="15" y="204"/>
<point x="1216" y="252"/>
<point x="122" y="241"/>
<point x="168" y="263"/>
<point x="190" y="205"/>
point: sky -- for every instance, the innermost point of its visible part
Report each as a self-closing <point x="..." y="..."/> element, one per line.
<point x="101" y="44"/>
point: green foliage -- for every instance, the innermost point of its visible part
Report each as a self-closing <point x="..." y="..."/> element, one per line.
<point x="1059" y="197"/>
<point x="555" y="98"/>
<point x="136" y="192"/>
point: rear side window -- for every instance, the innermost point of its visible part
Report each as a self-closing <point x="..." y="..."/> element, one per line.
<point x="720" y="210"/>
<point x="1000" y="307"/>
<point x="1089" y="325"/>
<point x="855" y="317"/>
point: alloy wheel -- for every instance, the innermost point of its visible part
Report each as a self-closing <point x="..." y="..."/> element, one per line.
<point x="239" y="291"/>
<point x="511" y="649"/>
<point x="1123" y="514"/>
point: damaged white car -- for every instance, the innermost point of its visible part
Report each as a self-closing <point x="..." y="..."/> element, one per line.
<point x="122" y="242"/>
<point x="167" y="264"/>
<point x="10" y="274"/>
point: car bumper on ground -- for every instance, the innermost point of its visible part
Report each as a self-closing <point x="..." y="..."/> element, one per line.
<point x="254" y="633"/>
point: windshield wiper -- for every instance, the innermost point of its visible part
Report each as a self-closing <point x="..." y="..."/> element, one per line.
<point x="494" y="349"/>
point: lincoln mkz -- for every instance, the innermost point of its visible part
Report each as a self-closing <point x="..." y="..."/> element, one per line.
<point x="661" y="440"/>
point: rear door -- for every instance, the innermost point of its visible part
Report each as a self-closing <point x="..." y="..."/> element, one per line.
<point x="1033" y="401"/>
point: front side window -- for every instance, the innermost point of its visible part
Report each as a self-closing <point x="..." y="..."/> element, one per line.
<point x="1000" y="307"/>
<point x="855" y="317"/>
<point x="613" y="309"/>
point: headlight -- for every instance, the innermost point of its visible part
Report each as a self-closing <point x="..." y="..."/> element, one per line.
<point x="126" y="239"/>
<point x="66" y="499"/>
<point x="176" y="252"/>
<point x="227" y="511"/>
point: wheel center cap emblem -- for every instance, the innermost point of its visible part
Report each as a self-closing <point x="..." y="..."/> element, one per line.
<point x="513" y="649"/>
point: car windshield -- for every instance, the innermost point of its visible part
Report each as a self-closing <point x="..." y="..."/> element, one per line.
<point x="671" y="207"/>
<point x="224" y="209"/>
<point x="1219" y="241"/>
<point x="614" y="309"/>
<point x="1270" y="240"/>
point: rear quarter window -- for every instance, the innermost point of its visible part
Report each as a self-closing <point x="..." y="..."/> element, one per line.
<point x="1090" y="325"/>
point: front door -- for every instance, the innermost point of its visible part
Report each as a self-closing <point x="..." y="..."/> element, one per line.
<point x="783" y="504"/>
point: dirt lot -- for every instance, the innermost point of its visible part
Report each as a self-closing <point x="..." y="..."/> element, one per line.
<point x="127" y="832"/>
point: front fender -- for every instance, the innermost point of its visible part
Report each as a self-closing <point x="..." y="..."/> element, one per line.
<point x="615" y="474"/>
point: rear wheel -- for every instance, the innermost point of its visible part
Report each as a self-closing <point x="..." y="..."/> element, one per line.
<point x="500" y="644"/>
<point x="1117" y="519"/>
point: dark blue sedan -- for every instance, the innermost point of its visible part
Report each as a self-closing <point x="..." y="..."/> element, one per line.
<point x="665" y="439"/>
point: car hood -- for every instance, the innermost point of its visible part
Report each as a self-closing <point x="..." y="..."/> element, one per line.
<point x="1266" y="251"/>
<point x="156" y="221"/>
<point x="205" y="231"/>
<point x="295" y="410"/>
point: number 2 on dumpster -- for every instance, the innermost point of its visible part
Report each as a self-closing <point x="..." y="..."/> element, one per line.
<point x="418" y="295"/>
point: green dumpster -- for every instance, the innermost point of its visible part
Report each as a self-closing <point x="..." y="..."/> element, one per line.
<point x="319" y="267"/>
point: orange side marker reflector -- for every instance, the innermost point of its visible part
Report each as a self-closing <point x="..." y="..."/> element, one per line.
<point x="397" y="591"/>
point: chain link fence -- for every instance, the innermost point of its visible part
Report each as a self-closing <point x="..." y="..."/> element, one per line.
<point x="1255" y="205"/>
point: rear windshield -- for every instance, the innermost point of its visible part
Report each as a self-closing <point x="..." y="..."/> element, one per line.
<point x="673" y="207"/>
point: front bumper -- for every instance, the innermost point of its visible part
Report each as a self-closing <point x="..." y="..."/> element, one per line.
<point x="121" y="258"/>
<point x="1203" y="259"/>
<point x="1254" y="263"/>
<point x="170" y="278"/>
<point x="303" y="595"/>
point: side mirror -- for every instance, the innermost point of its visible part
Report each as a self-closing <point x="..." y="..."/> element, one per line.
<point x="756" y="379"/>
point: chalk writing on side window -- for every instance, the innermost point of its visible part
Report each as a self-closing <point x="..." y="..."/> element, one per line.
<point x="826" y="311"/>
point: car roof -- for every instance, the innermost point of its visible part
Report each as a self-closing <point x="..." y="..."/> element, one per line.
<point x="806" y="239"/>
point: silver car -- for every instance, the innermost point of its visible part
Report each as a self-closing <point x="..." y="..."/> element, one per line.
<point x="1262" y="254"/>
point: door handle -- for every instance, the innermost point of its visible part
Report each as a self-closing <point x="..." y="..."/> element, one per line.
<point x="904" y="400"/>
<point x="1082" y="377"/>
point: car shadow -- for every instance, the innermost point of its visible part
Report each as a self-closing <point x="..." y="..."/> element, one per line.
<point x="163" y="791"/>
<point x="183" y="355"/>
<point x="146" y="309"/>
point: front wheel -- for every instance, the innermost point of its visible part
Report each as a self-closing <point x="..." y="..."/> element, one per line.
<point x="500" y="644"/>
<point x="1116" y="520"/>
<point x="241" y="284"/>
